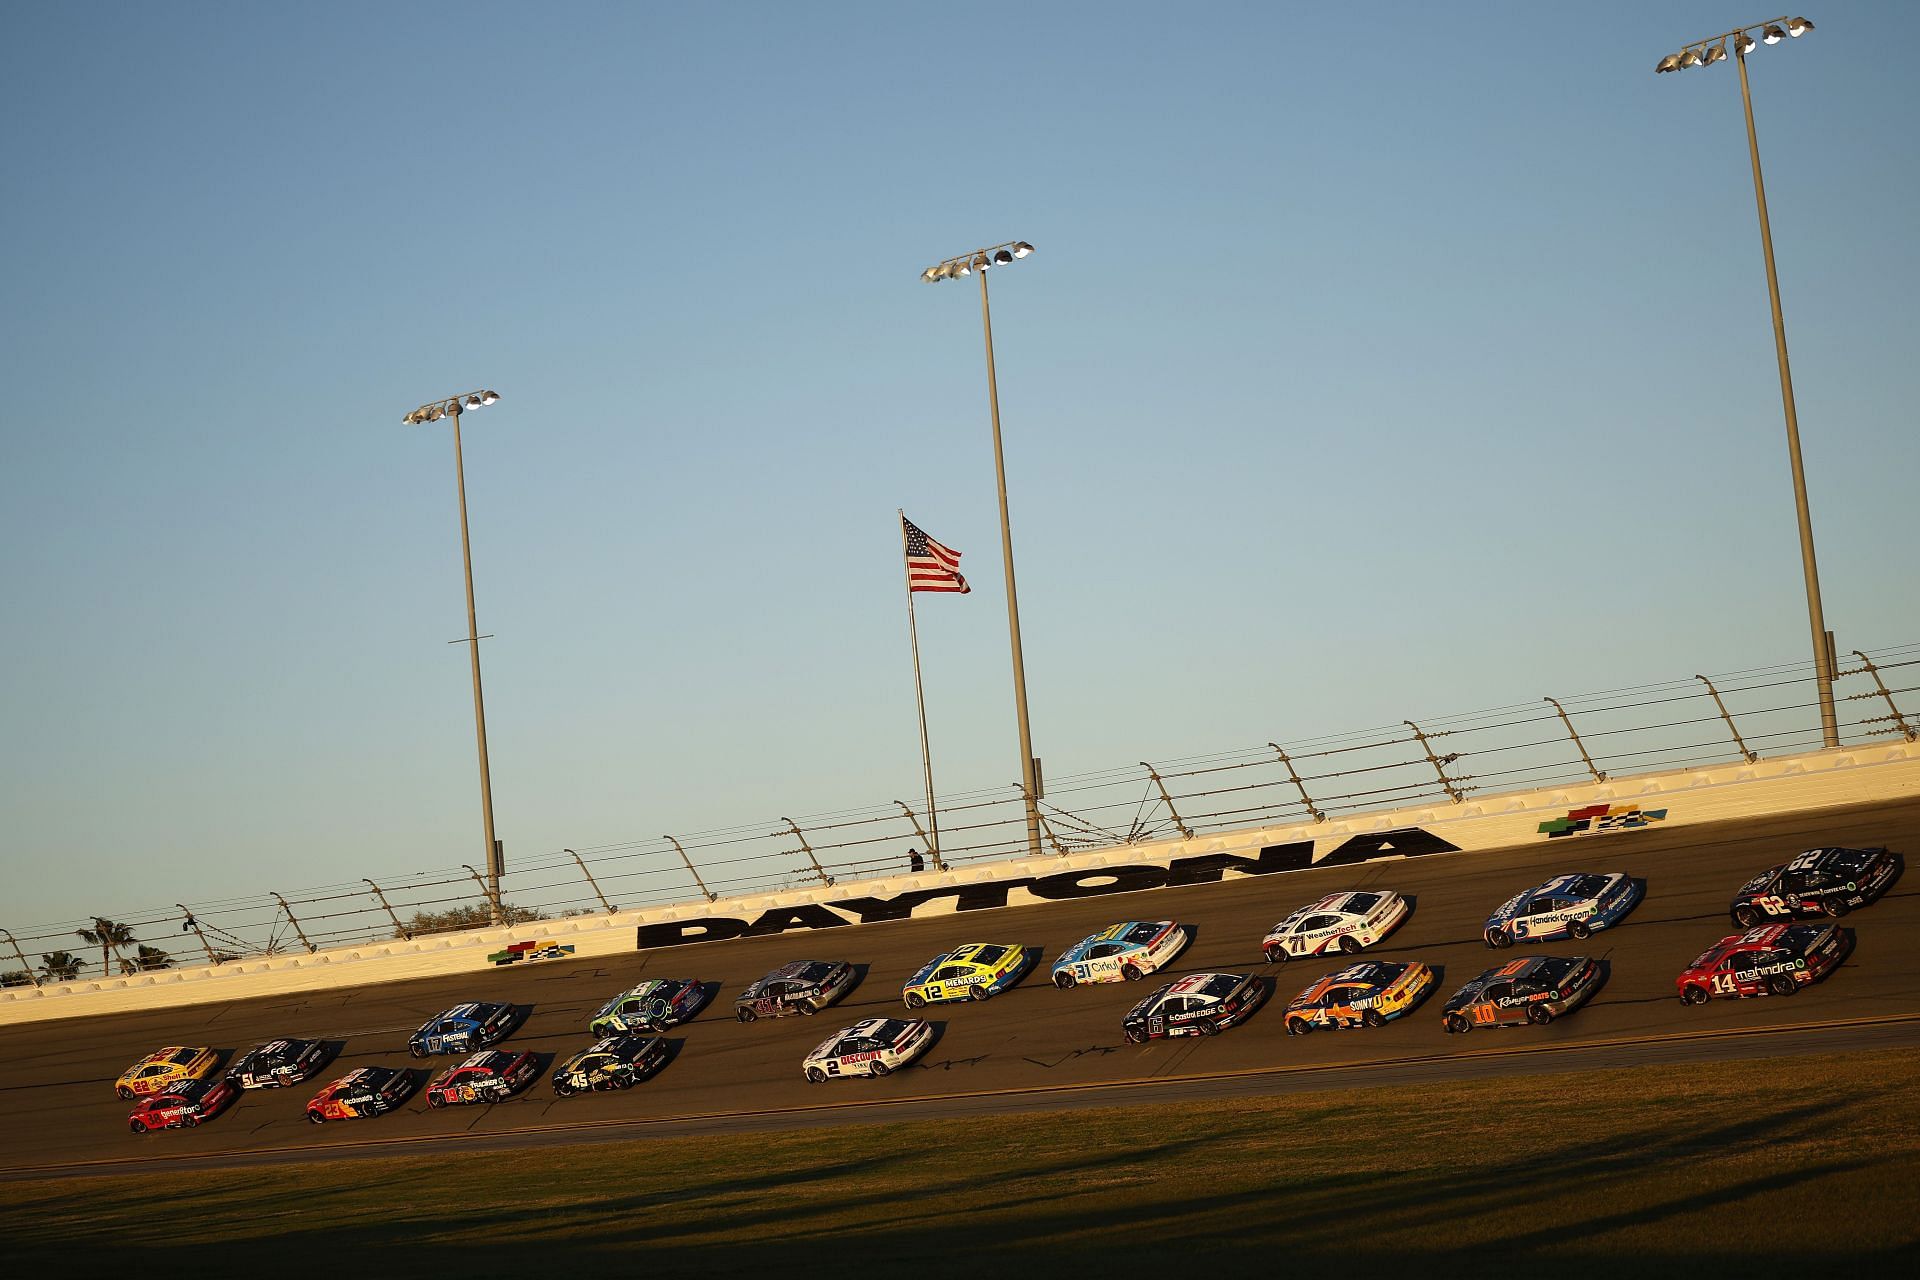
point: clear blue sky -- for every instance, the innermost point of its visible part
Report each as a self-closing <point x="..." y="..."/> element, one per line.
<point x="1375" y="361"/>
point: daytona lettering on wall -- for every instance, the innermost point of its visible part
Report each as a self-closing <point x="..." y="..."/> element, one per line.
<point x="1090" y="882"/>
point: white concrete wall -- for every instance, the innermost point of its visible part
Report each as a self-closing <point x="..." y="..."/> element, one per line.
<point x="1720" y="793"/>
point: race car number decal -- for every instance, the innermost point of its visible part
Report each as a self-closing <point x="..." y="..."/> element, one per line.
<point x="1772" y="904"/>
<point x="1724" y="985"/>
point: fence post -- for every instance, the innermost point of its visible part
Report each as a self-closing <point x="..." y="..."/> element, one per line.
<point x="690" y="868"/>
<point x="397" y="926"/>
<point x="194" y="925"/>
<point x="590" y="880"/>
<point x="1299" y="785"/>
<point x="1597" y="775"/>
<point x="1439" y="763"/>
<point x="23" y="958"/>
<point x="1186" y="832"/>
<point x="1046" y="827"/>
<point x="933" y="850"/>
<point x="1738" y="741"/>
<point x="292" y="920"/>
<point x="1905" y="729"/>
<point x="808" y="850"/>
<point x="496" y="913"/>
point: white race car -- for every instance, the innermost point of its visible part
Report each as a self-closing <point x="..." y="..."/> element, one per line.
<point x="1345" y="921"/>
<point x="1120" y="953"/>
<point x="870" y="1048"/>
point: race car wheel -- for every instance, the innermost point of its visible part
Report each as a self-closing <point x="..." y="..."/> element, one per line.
<point x="1693" y="995"/>
<point x="1349" y="943"/>
<point x="314" y="1117"/>
<point x="1539" y="1015"/>
<point x="1299" y="1027"/>
<point x="1372" y="1018"/>
<point x="136" y="1126"/>
<point x="915" y="1000"/>
<point x="1209" y="1028"/>
<point x="1836" y="907"/>
<point x="192" y="1122"/>
<point x="808" y="1008"/>
<point x="1136" y="1035"/>
<point x="747" y="1015"/>
<point x="436" y="1100"/>
<point x="976" y="993"/>
<point x="879" y="1069"/>
<point x="1276" y="954"/>
<point x="1578" y="929"/>
<point x="1064" y="979"/>
<point x="562" y="1090"/>
<point x="416" y="1051"/>
<point x="1456" y="1025"/>
<point x="1746" y="917"/>
<point x="1131" y="972"/>
<point x="1782" y="984"/>
<point x="1497" y="938"/>
<point x="816" y="1076"/>
<point x="126" y="1094"/>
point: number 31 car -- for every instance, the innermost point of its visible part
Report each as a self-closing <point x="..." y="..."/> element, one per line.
<point x="972" y="972"/>
<point x="871" y="1048"/>
<point x="1200" y="1004"/>
<point x="1820" y="882"/>
<point x="1368" y="994"/>
<point x="1775" y="959"/>
<point x="1121" y="952"/>
<point x="1537" y="990"/>
<point x="1570" y="906"/>
<point x="1349" y="921"/>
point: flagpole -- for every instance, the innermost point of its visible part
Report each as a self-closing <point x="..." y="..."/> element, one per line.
<point x="920" y="699"/>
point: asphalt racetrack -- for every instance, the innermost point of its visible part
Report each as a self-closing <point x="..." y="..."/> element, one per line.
<point x="1031" y="1048"/>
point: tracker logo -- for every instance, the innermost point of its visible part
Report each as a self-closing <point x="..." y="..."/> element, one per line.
<point x="1090" y="882"/>
<point x="1596" y="818"/>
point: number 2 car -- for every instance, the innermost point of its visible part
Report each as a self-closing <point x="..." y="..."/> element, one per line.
<point x="1120" y="953"/>
<point x="184" y="1105"/>
<point x="1774" y="959"/>
<point x="1200" y="1004"/>
<point x="616" y="1062"/>
<point x="1569" y="906"/>
<point x="1820" y="882"/>
<point x="1369" y="994"/>
<point x="1347" y="920"/>
<point x="971" y="972"/>
<point x="875" y="1047"/>
<point x="1537" y="989"/>
<point x="491" y="1075"/>
<point x="164" y="1069"/>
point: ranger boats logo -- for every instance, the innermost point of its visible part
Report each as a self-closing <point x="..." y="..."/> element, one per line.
<point x="1089" y="882"/>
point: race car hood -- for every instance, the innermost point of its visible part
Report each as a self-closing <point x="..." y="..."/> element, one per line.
<point x="926" y="971"/>
<point x="1759" y="884"/>
<point x="1506" y="910"/>
<point x="825" y="1047"/>
<point x="1467" y="994"/>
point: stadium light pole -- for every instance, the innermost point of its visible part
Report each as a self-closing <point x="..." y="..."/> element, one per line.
<point x="1704" y="53"/>
<point x="434" y="411"/>
<point x="978" y="263"/>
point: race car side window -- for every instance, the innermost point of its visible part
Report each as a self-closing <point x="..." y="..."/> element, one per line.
<point x="1313" y="924"/>
<point x="949" y="973"/>
<point x="1499" y="991"/>
<point x="1104" y="950"/>
<point x="1172" y="1006"/>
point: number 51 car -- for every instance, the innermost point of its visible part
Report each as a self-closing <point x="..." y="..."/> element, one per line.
<point x="871" y="1048"/>
<point x="972" y="972"/>
<point x="1122" y="952"/>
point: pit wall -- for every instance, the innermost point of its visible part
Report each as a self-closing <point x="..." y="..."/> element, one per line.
<point x="1836" y="778"/>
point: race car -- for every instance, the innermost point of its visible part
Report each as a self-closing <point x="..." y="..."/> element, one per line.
<point x="1200" y="1004"/>
<point x="1346" y="920"/>
<point x="1774" y="959"/>
<point x="1537" y="990"/>
<point x="184" y="1105"/>
<point x="365" y="1091"/>
<point x="491" y="1075"/>
<point x="278" y="1063"/>
<point x="1569" y="906"/>
<point x="654" y="1005"/>
<point x="1120" y="953"/>
<point x="614" y="1062"/>
<point x="973" y="971"/>
<point x="462" y="1029"/>
<point x="1368" y="994"/>
<point x="871" y="1048"/>
<point x="1820" y="882"/>
<point x="805" y="986"/>
<point x="165" y="1069"/>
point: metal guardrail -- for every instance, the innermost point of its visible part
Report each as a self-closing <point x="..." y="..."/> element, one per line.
<point x="1681" y="723"/>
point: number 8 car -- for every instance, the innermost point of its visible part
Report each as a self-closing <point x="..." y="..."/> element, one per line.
<point x="871" y="1048"/>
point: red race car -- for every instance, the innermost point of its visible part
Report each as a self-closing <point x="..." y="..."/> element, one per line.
<point x="184" y="1106"/>
<point x="491" y="1075"/>
<point x="1775" y="959"/>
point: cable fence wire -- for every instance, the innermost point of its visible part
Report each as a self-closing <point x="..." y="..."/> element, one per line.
<point x="1679" y="723"/>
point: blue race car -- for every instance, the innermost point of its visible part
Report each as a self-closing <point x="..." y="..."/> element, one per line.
<point x="1124" y="952"/>
<point x="1569" y="906"/>
<point x="463" y="1028"/>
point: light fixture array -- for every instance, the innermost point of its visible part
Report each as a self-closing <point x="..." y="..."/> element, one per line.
<point x="439" y="409"/>
<point x="979" y="260"/>
<point x="1707" y="52"/>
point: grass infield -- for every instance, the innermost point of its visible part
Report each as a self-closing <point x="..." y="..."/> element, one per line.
<point x="1708" y="1169"/>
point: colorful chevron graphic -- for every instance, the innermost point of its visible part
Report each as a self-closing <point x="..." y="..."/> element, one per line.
<point x="521" y="951"/>
<point x="1596" y="818"/>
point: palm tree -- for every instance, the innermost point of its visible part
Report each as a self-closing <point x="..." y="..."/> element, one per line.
<point x="147" y="959"/>
<point x="107" y="936"/>
<point x="58" y="966"/>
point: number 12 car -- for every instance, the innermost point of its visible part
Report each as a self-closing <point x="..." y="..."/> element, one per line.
<point x="971" y="972"/>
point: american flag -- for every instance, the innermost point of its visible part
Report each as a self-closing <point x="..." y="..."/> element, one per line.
<point x="930" y="566"/>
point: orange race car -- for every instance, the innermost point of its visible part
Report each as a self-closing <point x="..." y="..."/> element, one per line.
<point x="1367" y="994"/>
<point x="165" y="1069"/>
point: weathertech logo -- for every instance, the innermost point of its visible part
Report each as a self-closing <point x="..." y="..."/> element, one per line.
<point x="1596" y="818"/>
<point x="522" y="951"/>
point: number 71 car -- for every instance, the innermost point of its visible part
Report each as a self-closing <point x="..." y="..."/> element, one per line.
<point x="1120" y="953"/>
<point x="875" y="1047"/>
<point x="1346" y="920"/>
<point x="971" y="972"/>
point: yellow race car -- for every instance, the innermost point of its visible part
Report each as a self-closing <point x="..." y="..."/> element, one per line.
<point x="971" y="972"/>
<point x="1368" y="994"/>
<point x="167" y="1068"/>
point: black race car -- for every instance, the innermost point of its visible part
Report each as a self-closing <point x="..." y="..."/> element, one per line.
<point x="1200" y="1004"/>
<point x="617" y="1062"/>
<point x="278" y="1063"/>
<point x="1820" y="882"/>
<point x="805" y="986"/>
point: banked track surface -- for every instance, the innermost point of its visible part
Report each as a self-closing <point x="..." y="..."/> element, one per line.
<point x="1030" y="1048"/>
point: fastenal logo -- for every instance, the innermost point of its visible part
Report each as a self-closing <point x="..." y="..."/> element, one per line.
<point x="1596" y="818"/>
<point x="521" y="951"/>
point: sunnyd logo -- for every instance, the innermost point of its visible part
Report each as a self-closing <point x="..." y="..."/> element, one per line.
<point x="1407" y="842"/>
<point x="1596" y="818"/>
<point x="521" y="951"/>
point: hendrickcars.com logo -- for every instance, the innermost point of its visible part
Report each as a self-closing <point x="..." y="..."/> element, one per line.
<point x="1596" y="818"/>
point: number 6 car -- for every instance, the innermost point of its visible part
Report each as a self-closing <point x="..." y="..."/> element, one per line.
<point x="1120" y="953"/>
<point x="971" y="972"/>
<point x="1570" y="906"/>
<point x="1775" y="959"/>
<point x="1819" y="882"/>
<point x="1346" y="920"/>
<point x="871" y="1048"/>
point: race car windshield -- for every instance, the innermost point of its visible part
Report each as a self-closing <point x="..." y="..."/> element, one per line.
<point x="1550" y="971"/>
<point x="816" y="971"/>
<point x="1799" y="937"/>
<point x="1361" y="903"/>
<point x="183" y="1057"/>
<point x="1587" y="887"/>
<point x="888" y="1031"/>
<point x="989" y="955"/>
<point x="1219" y="985"/>
<point x="1143" y="933"/>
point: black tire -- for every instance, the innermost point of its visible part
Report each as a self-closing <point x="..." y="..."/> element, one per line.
<point x="1064" y="979"/>
<point x="1694" y="995"/>
<point x="314" y="1117"/>
<point x="137" y="1127"/>
<point x="436" y="1100"/>
<point x="977" y="993"/>
<point x="915" y="1000"/>
<point x="1746" y="917"/>
<point x="416" y="1051"/>
<point x="816" y="1076"/>
<point x="1208" y="1028"/>
<point x="1136" y="1035"/>
<point x="1782" y="984"/>
<point x="562" y="1090"/>
<point x="880" y="1069"/>
<point x="808" y="1008"/>
<point x="1456" y="1025"/>
<point x="1277" y="954"/>
<point x="1349" y="944"/>
<point x="1539" y="1015"/>
<point x="1131" y="972"/>
<point x="1835" y="908"/>
<point x="1579" y="929"/>
<point x="1498" y="938"/>
<point x="126" y="1094"/>
<point x="192" y="1122"/>
<point x="1373" y="1018"/>
<point x="745" y="1015"/>
<point x="1299" y="1027"/>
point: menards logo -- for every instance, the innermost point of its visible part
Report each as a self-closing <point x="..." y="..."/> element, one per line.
<point x="1596" y="818"/>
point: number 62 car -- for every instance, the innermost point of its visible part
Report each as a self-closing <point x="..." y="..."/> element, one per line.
<point x="1820" y="882"/>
